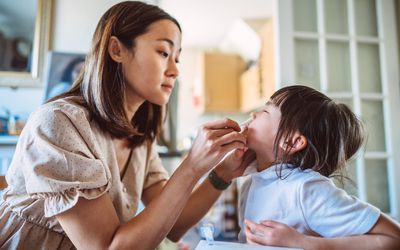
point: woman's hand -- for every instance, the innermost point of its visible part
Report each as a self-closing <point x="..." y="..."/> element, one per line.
<point x="235" y="164"/>
<point x="272" y="233"/>
<point x="214" y="140"/>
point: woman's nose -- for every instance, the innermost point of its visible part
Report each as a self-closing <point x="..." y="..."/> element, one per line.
<point x="172" y="70"/>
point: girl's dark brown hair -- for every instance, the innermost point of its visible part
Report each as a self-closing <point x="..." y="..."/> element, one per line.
<point x="100" y="85"/>
<point x="333" y="131"/>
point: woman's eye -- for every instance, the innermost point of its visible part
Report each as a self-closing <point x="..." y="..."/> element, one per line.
<point x="164" y="54"/>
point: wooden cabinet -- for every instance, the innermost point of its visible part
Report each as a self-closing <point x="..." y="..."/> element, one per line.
<point x="222" y="88"/>
<point x="229" y="86"/>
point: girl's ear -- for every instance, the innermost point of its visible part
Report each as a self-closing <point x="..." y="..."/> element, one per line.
<point x="115" y="49"/>
<point x="297" y="143"/>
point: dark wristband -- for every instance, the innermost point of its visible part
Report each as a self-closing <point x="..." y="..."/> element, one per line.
<point x="217" y="182"/>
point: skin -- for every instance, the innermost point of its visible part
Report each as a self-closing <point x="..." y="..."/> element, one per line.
<point x="150" y="70"/>
<point x="261" y="131"/>
<point x="260" y="138"/>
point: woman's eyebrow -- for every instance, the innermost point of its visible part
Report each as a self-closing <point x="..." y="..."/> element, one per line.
<point x="168" y="41"/>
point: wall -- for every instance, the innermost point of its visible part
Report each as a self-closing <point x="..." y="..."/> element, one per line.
<point x="73" y="26"/>
<point x="206" y="22"/>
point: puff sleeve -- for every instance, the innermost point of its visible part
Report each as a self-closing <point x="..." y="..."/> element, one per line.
<point x="60" y="158"/>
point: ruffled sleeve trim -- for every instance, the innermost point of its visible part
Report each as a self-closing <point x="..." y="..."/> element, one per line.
<point x="56" y="203"/>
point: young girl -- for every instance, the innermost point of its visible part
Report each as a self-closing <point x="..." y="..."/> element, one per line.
<point x="300" y="138"/>
<point x="86" y="158"/>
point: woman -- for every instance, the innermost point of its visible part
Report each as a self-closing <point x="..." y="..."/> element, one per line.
<point x="87" y="157"/>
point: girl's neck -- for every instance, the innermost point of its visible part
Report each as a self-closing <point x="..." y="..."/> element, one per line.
<point x="263" y="162"/>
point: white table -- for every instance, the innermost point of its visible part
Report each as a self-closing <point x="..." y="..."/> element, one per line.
<point x="221" y="245"/>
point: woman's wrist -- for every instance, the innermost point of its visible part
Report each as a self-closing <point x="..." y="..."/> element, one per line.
<point x="217" y="182"/>
<point x="222" y="173"/>
<point x="194" y="170"/>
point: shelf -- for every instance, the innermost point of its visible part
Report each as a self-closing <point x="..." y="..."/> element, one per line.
<point x="8" y="139"/>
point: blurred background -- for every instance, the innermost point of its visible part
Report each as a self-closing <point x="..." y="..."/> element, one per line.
<point x="236" y="53"/>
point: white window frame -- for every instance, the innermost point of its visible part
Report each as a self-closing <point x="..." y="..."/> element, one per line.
<point x="388" y="47"/>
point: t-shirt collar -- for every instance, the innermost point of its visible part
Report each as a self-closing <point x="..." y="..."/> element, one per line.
<point x="279" y="169"/>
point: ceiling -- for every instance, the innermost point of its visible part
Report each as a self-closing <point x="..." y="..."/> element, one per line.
<point x="206" y="22"/>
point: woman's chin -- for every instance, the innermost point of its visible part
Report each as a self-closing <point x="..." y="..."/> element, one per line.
<point x="161" y="100"/>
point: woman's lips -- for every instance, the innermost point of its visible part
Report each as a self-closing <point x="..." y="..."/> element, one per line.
<point x="167" y="87"/>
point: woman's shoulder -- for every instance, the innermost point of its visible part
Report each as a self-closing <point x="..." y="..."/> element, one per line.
<point x="68" y="105"/>
<point x="59" y="110"/>
<point x="54" y="119"/>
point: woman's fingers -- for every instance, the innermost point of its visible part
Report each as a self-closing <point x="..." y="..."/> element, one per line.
<point x="222" y="123"/>
<point x="219" y="132"/>
<point x="213" y="141"/>
<point x="239" y="153"/>
<point x="235" y="145"/>
<point x="229" y="138"/>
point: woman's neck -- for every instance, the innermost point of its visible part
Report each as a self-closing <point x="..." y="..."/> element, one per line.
<point x="131" y="105"/>
<point x="130" y="110"/>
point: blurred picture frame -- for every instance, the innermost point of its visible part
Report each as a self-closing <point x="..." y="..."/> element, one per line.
<point x="61" y="71"/>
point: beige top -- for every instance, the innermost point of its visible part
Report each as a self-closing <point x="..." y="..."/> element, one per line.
<point x="61" y="155"/>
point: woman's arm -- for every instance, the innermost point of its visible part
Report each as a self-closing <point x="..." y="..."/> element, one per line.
<point x="384" y="235"/>
<point x="205" y="194"/>
<point x="95" y="224"/>
<point x="197" y="206"/>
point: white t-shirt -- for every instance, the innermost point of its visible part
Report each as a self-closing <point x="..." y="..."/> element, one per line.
<point x="304" y="200"/>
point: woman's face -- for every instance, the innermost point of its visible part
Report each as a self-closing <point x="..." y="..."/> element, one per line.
<point x="262" y="131"/>
<point x="150" y="70"/>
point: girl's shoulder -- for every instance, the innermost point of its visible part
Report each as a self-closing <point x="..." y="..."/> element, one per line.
<point x="307" y="176"/>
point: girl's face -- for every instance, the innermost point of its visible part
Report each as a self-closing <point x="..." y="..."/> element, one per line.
<point x="262" y="132"/>
<point x="150" y="70"/>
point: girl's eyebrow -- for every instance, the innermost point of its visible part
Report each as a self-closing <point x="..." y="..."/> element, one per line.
<point x="268" y="103"/>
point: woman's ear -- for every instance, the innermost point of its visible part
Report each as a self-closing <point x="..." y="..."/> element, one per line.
<point x="297" y="143"/>
<point x="115" y="49"/>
